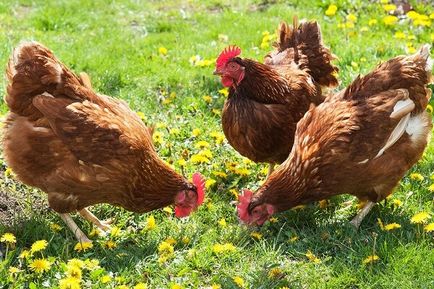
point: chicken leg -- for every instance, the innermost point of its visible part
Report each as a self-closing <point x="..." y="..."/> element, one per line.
<point x="104" y="226"/>
<point x="362" y="214"/>
<point x="81" y="237"/>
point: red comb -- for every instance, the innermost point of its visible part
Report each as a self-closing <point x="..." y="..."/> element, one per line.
<point x="228" y="53"/>
<point x="199" y="182"/>
<point x="244" y="201"/>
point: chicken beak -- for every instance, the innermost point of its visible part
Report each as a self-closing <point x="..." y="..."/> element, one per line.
<point x="217" y="72"/>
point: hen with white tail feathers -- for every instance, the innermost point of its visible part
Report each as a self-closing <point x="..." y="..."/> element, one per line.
<point x="360" y="141"/>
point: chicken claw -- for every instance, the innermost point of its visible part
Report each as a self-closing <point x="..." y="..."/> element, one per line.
<point x="104" y="226"/>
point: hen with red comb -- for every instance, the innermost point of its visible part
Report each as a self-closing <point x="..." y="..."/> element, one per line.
<point x="266" y="100"/>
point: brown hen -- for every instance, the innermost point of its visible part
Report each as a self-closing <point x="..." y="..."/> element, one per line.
<point x="83" y="148"/>
<point x="361" y="141"/>
<point x="266" y="100"/>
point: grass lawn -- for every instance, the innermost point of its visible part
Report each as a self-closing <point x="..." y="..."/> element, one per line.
<point x="159" y="57"/>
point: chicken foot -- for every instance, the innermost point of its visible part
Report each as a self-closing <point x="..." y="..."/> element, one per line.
<point x="81" y="237"/>
<point x="362" y="214"/>
<point x="104" y="226"/>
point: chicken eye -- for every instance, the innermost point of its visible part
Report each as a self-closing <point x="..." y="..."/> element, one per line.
<point x="233" y="66"/>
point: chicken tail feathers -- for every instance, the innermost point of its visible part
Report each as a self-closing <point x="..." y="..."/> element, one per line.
<point x="32" y="70"/>
<point x="306" y="49"/>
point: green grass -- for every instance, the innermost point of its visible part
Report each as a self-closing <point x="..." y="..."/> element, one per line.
<point x="117" y="43"/>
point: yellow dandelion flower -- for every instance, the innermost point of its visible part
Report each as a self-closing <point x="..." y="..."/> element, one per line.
<point x="431" y="188"/>
<point x="110" y="244"/>
<point x="174" y="131"/>
<point x="299" y="207"/>
<point x="429" y="106"/>
<point x="234" y="192"/>
<point x="168" y="210"/>
<point x="95" y="232"/>
<point x="83" y="246"/>
<point x="170" y="240"/>
<point x="222" y="222"/>
<point x="239" y="281"/>
<point x="74" y="262"/>
<point x="25" y="254"/>
<point x="8" y="172"/>
<point x="431" y="16"/>
<point x="349" y="24"/>
<point x="275" y="272"/>
<point x="256" y="235"/>
<point x="351" y="18"/>
<point x="397" y="203"/>
<point x="207" y="98"/>
<point x="115" y="231"/>
<point x="411" y="50"/>
<point x="364" y="29"/>
<point x="8" y="238"/>
<point x="69" y="283"/>
<point x="55" y="227"/>
<point x="400" y="35"/>
<point x="40" y="265"/>
<point x="312" y="257"/>
<point x="389" y="7"/>
<point x="73" y="271"/>
<point x="370" y="259"/>
<point x="384" y="1"/>
<point x="242" y="172"/>
<point x="390" y="20"/>
<point x="182" y="162"/>
<point x="13" y="270"/>
<point x="199" y="159"/>
<point x="331" y="10"/>
<point x="195" y="132"/>
<point x="372" y="22"/>
<point x="150" y="223"/>
<point x="392" y="226"/>
<point x="224" y="91"/>
<point x="293" y="239"/>
<point x="165" y="248"/>
<point x="201" y="144"/>
<point x="216" y="112"/>
<point x="216" y="286"/>
<point x="220" y="174"/>
<point x="141" y="115"/>
<point x="429" y="227"/>
<point x="218" y="136"/>
<point x="39" y="246"/>
<point x="416" y="177"/>
<point x="264" y="45"/>
<point x="176" y="286"/>
<point x="185" y="240"/>
<point x="273" y="220"/>
<point x="105" y="279"/>
<point x="162" y="50"/>
<point x="420" y="218"/>
<point x="323" y="204"/>
<point x="157" y="137"/>
<point x="412" y="14"/>
<point x="223" y="248"/>
<point x="140" y="286"/>
<point x="209" y="183"/>
<point x="91" y="264"/>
